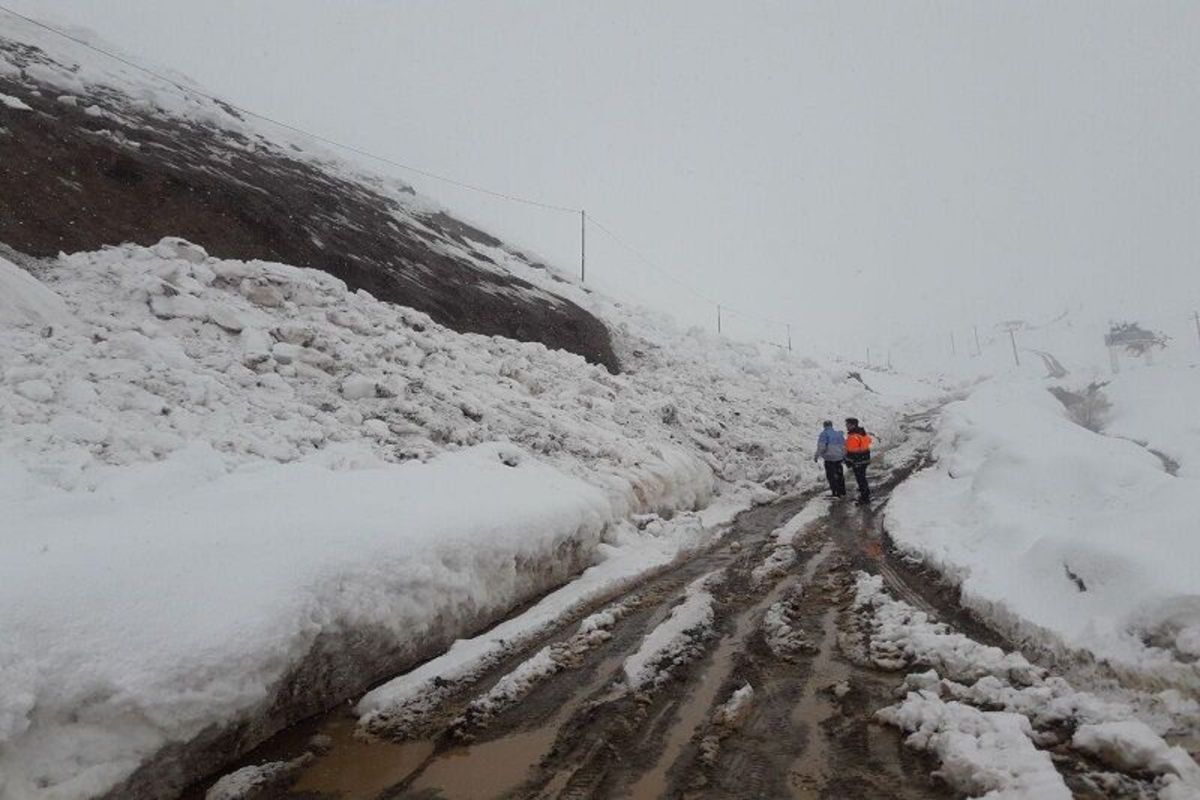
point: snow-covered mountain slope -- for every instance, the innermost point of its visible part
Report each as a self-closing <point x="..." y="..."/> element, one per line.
<point x="239" y="490"/>
<point x="94" y="152"/>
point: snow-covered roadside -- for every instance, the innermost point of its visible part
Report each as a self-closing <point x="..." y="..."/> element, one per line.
<point x="218" y="463"/>
<point x="401" y="705"/>
<point x="989" y="715"/>
<point x="1068" y="539"/>
<point x="138" y="614"/>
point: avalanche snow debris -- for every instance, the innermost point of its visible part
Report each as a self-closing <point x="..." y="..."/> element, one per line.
<point x="987" y="754"/>
<point x="154" y="396"/>
<point x="1025" y="506"/>
<point x="993" y="749"/>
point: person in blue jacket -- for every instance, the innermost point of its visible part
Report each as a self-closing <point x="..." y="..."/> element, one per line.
<point x="831" y="446"/>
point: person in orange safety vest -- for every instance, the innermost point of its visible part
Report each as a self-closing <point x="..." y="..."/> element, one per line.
<point x="858" y="456"/>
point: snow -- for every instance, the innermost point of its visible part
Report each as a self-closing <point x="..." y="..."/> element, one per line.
<point x="254" y="780"/>
<point x="320" y="546"/>
<point x="401" y="705"/>
<point x="675" y="638"/>
<point x="15" y="103"/>
<point x="1076" y="539"/>
<point x="1132" y="746"/>
<point x="987" y="754"/>
<point x="25" y="301"/>
<point x="551" y="659"/>
<point x="731" y="712"/>
<point x="984" y="712"/>
<point x="1156" y="405"/>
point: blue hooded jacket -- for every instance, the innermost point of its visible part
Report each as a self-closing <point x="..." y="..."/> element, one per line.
<point x="831" y="445"/>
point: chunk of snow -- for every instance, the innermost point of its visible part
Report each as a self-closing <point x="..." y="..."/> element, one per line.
<point x="14" y="103"/>
<point x="983" y="753"/>
<point x="1131" y="745"/>
<point x="24" y="300"/>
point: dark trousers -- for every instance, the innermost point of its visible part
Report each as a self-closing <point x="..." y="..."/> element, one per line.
<point x="860" y="477"/>
<point x="836" y="478"/>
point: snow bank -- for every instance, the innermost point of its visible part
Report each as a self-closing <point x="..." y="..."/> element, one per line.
<point x="1059" y="533"/>
<point x="401" y="706"/>
<point x="176" y="595"/>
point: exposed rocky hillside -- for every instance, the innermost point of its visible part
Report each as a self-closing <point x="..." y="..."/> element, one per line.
<point x="93" y="153"/>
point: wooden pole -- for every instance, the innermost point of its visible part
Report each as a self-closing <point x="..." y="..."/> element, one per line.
<point x="1012" y="337"/>
<point x="789" y="330"/>
<point x="582" y="246"/>
<point x="718" y="317"/>
<point x="953" y="346"/>
<point x="978" y="349"/>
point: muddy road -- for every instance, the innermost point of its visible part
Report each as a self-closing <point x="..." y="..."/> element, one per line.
<point x="777" y="591"/>
<point x="656" y="706"/>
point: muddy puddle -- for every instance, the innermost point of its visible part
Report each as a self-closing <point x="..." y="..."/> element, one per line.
<point x="356" y="769"/>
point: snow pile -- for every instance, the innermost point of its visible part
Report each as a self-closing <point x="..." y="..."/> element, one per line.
<point x="177" y="594"/>
<point x="985" y="712"/>
<point x="676" y="639"/>
<point x="1132" y="746"/>
<point x="255" y="780"/>
<point x="983" y="753"/>
<point x="1073" y="538"/>
<point x="26" y="302"/>
<point x="1157" y="406"/>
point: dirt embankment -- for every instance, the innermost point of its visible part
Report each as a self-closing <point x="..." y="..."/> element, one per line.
<point x="78" y="172"/>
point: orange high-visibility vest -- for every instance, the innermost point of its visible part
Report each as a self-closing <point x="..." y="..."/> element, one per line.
<point x="858" y="443"/>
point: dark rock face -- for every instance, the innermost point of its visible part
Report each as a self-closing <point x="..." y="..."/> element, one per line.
<point x="81" y="171"/>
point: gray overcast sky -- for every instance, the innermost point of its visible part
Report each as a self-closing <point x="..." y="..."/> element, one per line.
<point x="865" y="169"/>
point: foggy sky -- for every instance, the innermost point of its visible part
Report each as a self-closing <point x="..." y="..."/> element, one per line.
<point x="868" y="171"/>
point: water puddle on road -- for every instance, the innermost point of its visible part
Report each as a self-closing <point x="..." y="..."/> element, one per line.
<point x="496" y="767"/>
<point x="358" y="769"/>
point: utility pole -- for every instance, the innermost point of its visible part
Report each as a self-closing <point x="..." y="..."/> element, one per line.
<point x="889" y="358"/>
<point x="582" y="246"/>
<point x="868" y="358"/>
<point x="789" y="331"/>
<point x="978" y="349"/>
<point x="1012" y="337"/>
<point x="718" y="317"/>
<point x="953" y="346"/>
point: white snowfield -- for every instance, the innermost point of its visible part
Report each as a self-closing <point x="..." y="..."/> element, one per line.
<point x="1069" y="539"/>
<point x="206" y="466"/>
